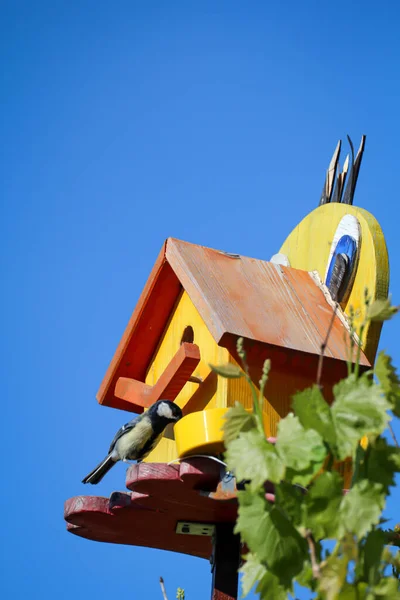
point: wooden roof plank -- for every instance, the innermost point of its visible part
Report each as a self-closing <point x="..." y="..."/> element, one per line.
<point x="257" y="299"/>
<point x="236" y="296"/>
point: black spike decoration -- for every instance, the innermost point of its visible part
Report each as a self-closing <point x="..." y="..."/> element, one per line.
<point x="334" y="186"/>
<point x="330" y="176"/>
<point x="348" y="196"/>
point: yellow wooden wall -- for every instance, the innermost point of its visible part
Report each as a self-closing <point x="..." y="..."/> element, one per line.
<point x="308" y="247"/>
<point x="278" y="394"/>
<point x="215" y="392"/>
<point x="211" y="394"/>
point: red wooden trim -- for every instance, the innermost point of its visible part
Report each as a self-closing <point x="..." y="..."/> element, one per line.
<point x="161" y="496"/>
<point x="136" y="393"/>
<point x="141" y="336"/>
<point x="169" y="385"/>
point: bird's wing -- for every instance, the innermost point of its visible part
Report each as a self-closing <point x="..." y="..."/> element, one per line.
<point x="149" y="446"/>
<point x="127" y="427"/>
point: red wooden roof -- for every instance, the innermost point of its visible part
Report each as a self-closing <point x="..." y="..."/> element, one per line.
<point x="236" y="296"/>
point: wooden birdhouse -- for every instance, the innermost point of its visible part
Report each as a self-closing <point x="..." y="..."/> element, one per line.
<point x="195" y="305"/>
<point x="197" y="302"/>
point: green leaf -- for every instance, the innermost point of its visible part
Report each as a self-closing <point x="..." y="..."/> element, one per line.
<point x="359" y="409"/>
<point x="290" y="499"/>
<point x="287" y="550"/>
<point x="349" y="546"/>
<point x="229" y="371"/>
<point x="387" y="376"/>
<point x="349" y="592"/>
<point x="306" y="577"/>
<point x="387" y="589"/>
<point x="269" y="588"/>
<point x="392" y="537"/>
<point x="252" y="458"/>
<point x="237" y="420"/>
<point x="382" y="462"/>
<point x="321" y="505"/>
<point x="381" y="310"/>
<point x="252" y="571"/>
<point x="253" y="522"/>
<point x="303" y="451"/>
<point x="314" y="413"/>
<point x="271" y="536"/>
<point x="371" y="554"/>
<point x="361" y="508"/>
<point x="333" y="576"/>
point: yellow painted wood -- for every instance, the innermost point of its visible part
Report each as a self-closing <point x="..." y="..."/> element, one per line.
<point x="278" y="394"/>
<point x="240" y="391"/>
<point x="201" y="432"/>
<point x="308" y="247"/>
<point x="183" y="315"/>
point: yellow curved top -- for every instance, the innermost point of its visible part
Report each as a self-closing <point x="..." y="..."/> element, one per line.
<point x="308" y="247"/>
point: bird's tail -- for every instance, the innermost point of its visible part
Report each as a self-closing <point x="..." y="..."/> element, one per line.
<point x="98" y="472"/>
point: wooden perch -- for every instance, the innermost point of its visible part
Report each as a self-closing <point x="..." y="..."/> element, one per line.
<point x="169" y="385"/>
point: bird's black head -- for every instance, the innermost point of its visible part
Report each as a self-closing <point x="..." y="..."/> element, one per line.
<point x="164" y="412"/>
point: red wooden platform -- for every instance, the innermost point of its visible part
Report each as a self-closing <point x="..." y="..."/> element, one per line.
<point x="161" y="495"/>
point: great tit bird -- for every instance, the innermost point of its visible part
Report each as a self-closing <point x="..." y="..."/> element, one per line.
<point x="136" y="439"/>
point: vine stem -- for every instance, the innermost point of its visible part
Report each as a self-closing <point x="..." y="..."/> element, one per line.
<point x="323" y="346"/>
<point x="393" y="435"/>
<point x="164" y="593"/>
<point x="314" y="563"/>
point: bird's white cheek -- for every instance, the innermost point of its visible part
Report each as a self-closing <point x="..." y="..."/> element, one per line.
<point x="164" y="411"/>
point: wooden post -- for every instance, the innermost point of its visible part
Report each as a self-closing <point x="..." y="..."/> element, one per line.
<point x="225" y="564"/>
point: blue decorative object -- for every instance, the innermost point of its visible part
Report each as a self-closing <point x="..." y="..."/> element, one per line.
<point x="346" y="247"/>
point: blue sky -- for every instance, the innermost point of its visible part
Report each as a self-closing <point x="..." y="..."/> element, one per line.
<point x="124" y="123"/>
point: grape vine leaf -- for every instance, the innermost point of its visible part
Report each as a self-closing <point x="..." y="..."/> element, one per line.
<point x="269" y="588"/>
<point x="388" y="378"/>
<point x="359" y="409"/>
<point x="382" y="463"/>
<point x="386" y="589"/>
<point x="333" y="576"/>
<point x="321" y="505"/>
<point x="252" y="571"/>
<point x="302" y="450"/>
<point x="361" y="508"/>
<point x="314" y="412"/>
<point x="252" y="458"/>
<point x="371" y="552"/>
<point x="290" y="498"/>
<point x="237" y="420"/>
<point x="381" y="310"/>
<point x="271" y="536"/>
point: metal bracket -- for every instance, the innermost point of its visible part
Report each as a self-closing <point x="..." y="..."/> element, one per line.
<point x="188" y="528"/>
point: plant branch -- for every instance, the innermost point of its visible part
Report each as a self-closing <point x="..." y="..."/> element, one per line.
<point x="393" y="435"/>
<point x="164" y="593"/>
<point x="324" y="345"/>
<point x="314" y="563"/>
